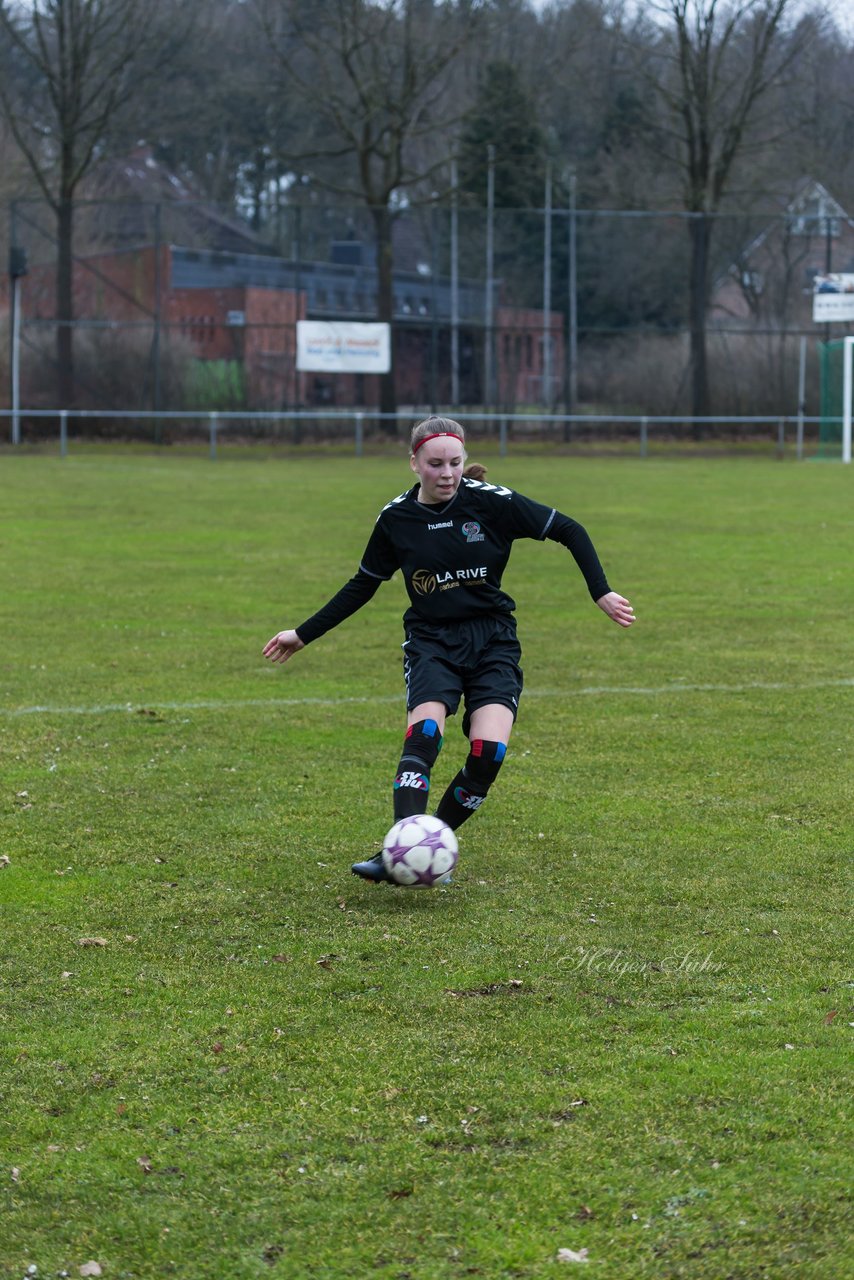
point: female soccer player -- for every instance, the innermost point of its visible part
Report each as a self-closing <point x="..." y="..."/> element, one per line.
<point x="451" y="536"/>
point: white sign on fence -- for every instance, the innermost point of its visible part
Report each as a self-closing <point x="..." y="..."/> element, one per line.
<point x="333" y="346"/>
<point x="833" y="298"/>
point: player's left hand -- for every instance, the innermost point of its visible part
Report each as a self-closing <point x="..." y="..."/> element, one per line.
<point x="283" y="646"/>
<point x="617" y="608"/>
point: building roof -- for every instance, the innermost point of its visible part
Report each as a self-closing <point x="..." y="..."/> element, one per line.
<point x="131" y="194"/>
<point x="810" y="202"/>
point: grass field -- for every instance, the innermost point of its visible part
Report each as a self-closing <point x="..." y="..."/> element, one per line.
<point x="622" y="1029"/>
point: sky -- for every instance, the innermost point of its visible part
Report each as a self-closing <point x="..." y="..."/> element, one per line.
<point x="842" y="11"/>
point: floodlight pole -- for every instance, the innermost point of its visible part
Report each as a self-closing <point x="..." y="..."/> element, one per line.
<point x="847" y="388"/>
<point x="455" y="288"/>
<point x="16" y="360"/>
<point x="547" y="291"/>
<point x="158" y="318"/>
<point x="802" y="395"/>
<point x="490" y="266"/>
<point x="17" y="269"/>
<point x="572" y="304"/>
<point x="434" y="319"/>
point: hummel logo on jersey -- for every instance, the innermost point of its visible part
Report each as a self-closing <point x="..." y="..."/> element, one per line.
<point x="445" y="524"/>
<point x="418" y="781"/>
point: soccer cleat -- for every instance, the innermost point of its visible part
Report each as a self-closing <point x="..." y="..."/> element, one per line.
<point x="372" y="869"/>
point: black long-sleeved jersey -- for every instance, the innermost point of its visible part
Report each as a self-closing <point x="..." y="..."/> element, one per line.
<point x="453" y="555"/>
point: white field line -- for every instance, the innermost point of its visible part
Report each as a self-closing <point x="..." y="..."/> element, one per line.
<point x="590" y="691"/>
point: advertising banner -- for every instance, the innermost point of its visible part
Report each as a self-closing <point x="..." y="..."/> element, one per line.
<point x="342" y="346"/>
<point x="833" y="298"/>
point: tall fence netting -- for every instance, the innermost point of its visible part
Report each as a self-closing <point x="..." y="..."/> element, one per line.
<point x="182" y="306"/>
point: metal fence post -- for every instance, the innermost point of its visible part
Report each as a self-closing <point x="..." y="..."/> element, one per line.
<point x="781" y="439"/>
<point x="360" y="436"/>
<point x="213" y="427"/>
<point x="802" y="382"/>
<point x="502" y="437"/>
<point x="63" y="433"/>
<point x="643" y="437"/>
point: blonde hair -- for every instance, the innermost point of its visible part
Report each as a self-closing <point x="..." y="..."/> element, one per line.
<point x="435" y="426"/>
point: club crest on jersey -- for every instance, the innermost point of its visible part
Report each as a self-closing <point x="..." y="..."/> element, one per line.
<point x="471" y="529"/>
<point x="417" y="781"/>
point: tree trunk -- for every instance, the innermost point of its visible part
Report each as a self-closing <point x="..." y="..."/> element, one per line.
<point x="385" y="309"/>
<point x="65" y="302"/>
<point x="699" y="229"/>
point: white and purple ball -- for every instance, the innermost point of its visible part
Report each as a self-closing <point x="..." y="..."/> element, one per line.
<point x="420" y="851"/>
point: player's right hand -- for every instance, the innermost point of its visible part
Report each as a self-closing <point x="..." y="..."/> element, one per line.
<point x="283" y="646"/>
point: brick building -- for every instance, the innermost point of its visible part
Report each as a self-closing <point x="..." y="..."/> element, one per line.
<point x="235" y="305"/>
<point x="770" y="283"/>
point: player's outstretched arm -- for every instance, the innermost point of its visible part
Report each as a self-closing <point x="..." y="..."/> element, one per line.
<point x="283" y="646"/>
<point x="617" y="608"/>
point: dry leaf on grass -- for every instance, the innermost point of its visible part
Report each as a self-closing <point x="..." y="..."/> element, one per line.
<point x="90" y="1269"/>
<point x="91" y="942"/>
<point x="568" y="1112"/>
<point x="493" y="989"/>
<point x="4" y="860"/>
<point x="570" y="1255"/>
<point x="144" y="1163"/>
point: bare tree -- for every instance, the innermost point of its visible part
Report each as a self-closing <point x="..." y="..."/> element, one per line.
<point x="721" y="60"/>
<point x="68" y="70"/>
<point x="378" y="75"/>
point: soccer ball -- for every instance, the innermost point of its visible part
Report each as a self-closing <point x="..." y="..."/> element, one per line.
<point x="420" y="851"/>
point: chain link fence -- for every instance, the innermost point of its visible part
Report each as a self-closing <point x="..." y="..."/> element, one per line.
<point x="180" y="306"/>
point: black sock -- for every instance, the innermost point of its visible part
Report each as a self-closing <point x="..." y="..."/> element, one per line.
<point x="421" y="747"/>
<point x="468" y="790"/>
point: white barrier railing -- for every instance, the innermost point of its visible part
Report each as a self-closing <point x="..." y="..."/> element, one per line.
<point x="217" y="421"/>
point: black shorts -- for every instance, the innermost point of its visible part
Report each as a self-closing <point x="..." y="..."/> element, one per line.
<point x="476" y="659"/>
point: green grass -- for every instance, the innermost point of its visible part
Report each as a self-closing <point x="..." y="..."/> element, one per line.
<point x="613" y="1032"/>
